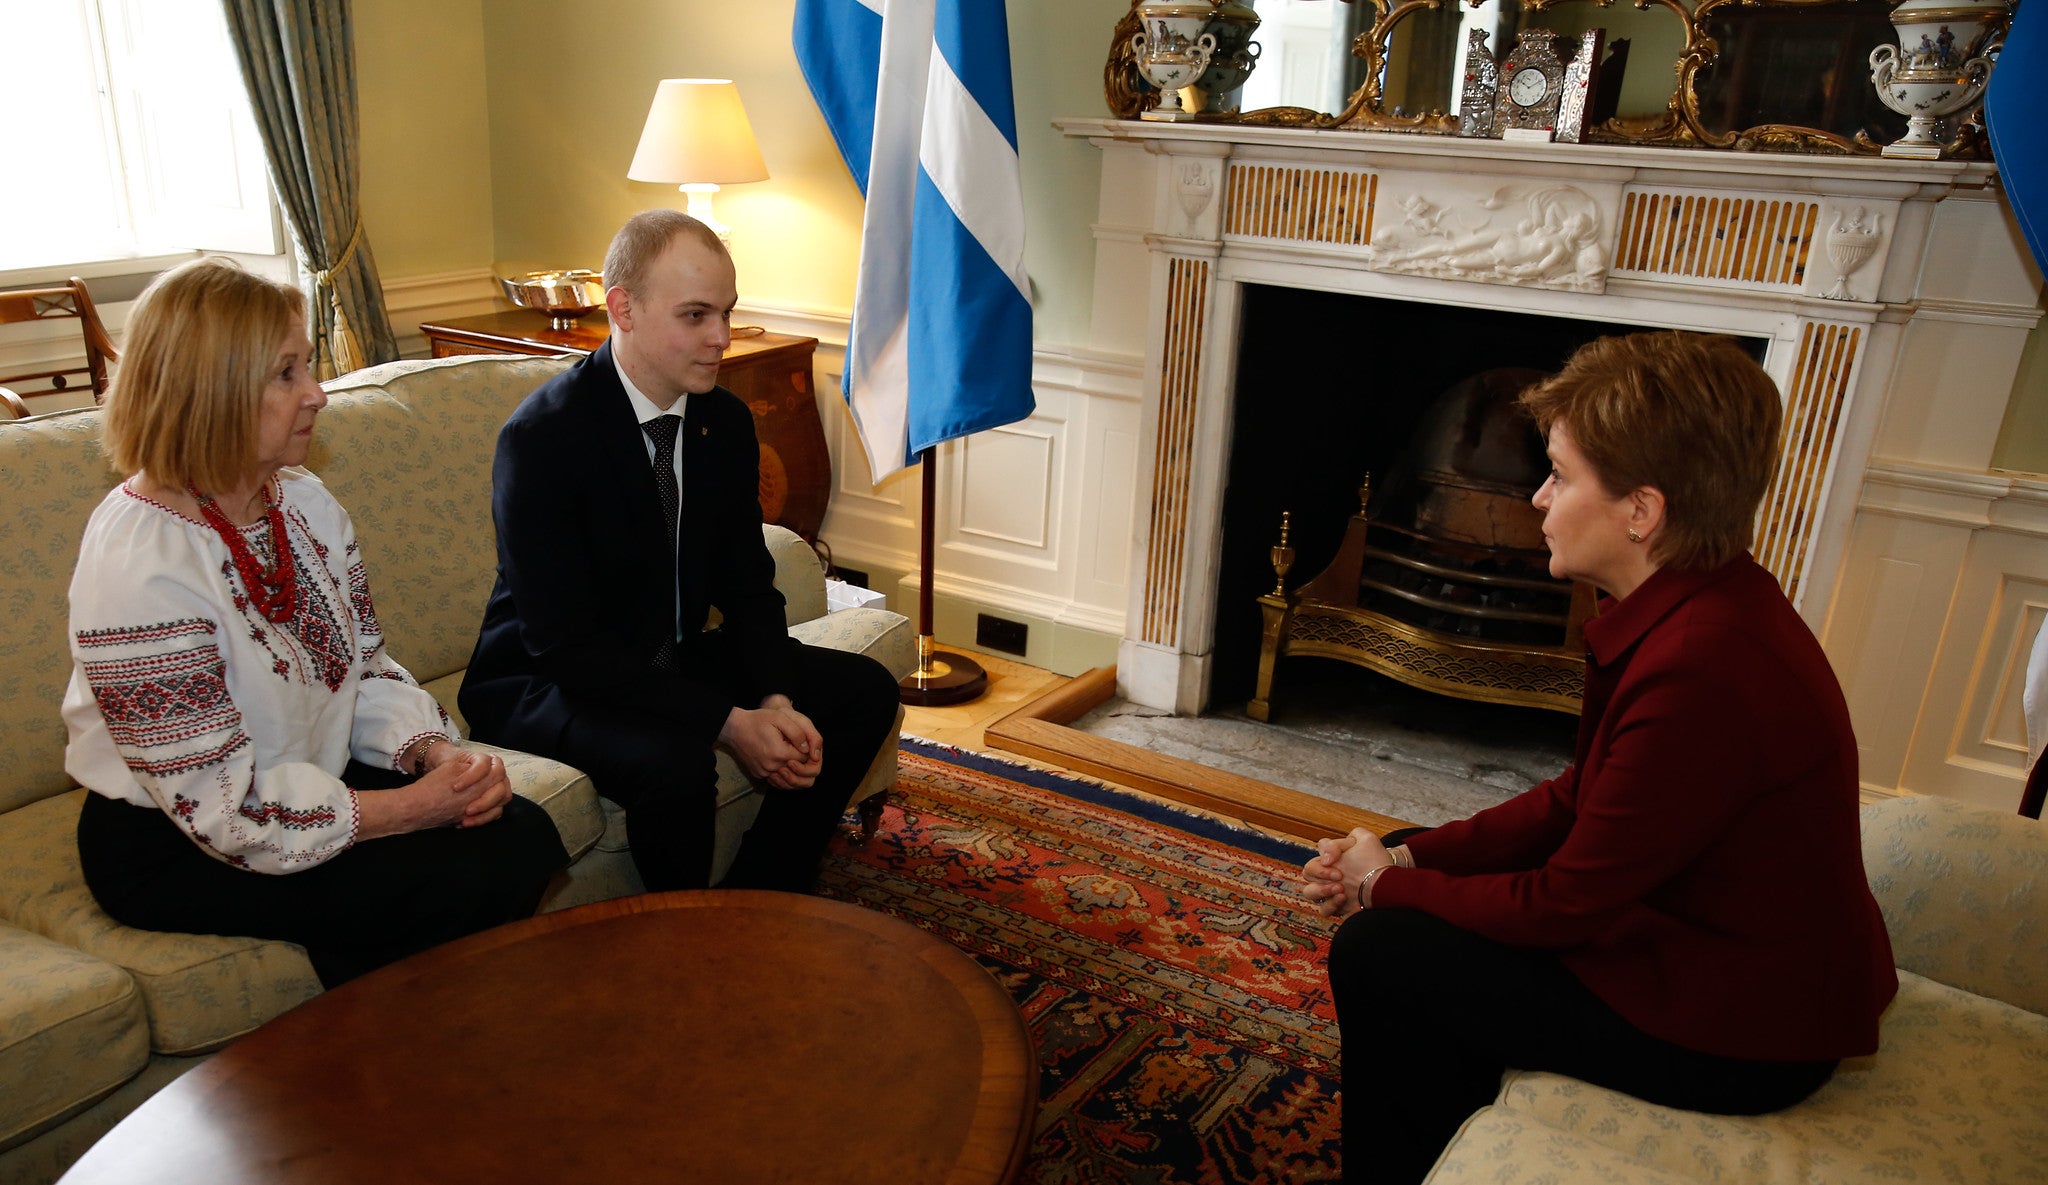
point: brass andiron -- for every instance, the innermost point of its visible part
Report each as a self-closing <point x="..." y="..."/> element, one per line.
<point x="1283" y="558"/>
<point x="1342" y="613"/>
<point x="1277" y="608"/>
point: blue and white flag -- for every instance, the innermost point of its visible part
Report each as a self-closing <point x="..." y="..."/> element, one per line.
<point x="2019" y="137"/>
<point x="917" y="94"/>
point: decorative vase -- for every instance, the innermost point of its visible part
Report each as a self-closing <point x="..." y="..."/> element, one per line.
<point x="1173" y="49"/>
<point x="1938" y="68"/>
<point x="1236" y="55"/>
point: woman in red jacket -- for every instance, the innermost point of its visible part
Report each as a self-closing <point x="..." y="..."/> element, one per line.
<point x="1682" y="914"/>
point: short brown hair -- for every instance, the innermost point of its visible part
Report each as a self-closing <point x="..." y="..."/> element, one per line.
<point x="642" y="240"/>
<point x="1692" y="415"/>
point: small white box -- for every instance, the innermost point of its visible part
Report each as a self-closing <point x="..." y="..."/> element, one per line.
<point x="841" y="595"/>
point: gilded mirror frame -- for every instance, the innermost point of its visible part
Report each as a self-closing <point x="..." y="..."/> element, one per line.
<point x="1680" y="125"/>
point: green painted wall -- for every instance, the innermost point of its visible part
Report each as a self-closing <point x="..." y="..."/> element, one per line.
<point x="1057" y="50"/>
<point x="568" y="96"/>
<point x="499" y="133"/>
<point x="560" y="147"/>
<point x="425" y="135"/>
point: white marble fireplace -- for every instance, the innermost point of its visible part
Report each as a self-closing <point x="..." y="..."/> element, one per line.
<point x="1894" y="297"/>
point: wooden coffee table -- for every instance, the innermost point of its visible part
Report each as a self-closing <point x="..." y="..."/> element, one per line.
<point x="674" y="1037"/>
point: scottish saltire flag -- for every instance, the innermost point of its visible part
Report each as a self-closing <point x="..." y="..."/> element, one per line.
<point x="917" y="94"/>
<point x="2012" y="116"/>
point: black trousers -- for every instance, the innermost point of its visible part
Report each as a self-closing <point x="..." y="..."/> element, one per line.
<point x="1432" y="1015"/>
<point x="668" y="785"/>
<point x="375" y="903"/>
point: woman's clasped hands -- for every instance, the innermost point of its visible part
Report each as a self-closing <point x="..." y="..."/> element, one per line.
<point x="1331" y="879"/>
<point x="460" y="788"/>
<point x="475" y="778"/>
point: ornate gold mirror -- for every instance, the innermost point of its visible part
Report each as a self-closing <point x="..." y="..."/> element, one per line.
<point x="1788" y="75"/>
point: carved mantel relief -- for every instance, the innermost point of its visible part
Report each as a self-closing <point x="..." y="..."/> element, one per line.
<point x="1532" y="235"/>
<point x="1197" y="185"/>
<point x="1188" y="201"/>
<point x="1852" y="240"/>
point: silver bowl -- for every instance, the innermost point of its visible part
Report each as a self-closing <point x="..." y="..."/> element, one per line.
<point x="564" y="296"/>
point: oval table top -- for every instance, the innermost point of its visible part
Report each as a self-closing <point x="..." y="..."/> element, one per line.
<point x="694" y="1036"/>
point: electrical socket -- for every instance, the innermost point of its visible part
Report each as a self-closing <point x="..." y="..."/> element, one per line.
<point x="1000" y="633"/>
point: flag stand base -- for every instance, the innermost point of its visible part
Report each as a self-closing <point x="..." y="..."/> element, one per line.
<point x="941" y="678"/>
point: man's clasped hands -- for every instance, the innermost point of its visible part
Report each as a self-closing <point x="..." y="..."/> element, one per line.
<point x="775" y="743"/>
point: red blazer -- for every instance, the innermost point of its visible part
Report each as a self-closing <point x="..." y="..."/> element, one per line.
<point x="1698" y="866"/>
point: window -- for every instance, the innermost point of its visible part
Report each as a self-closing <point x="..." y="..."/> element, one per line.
<point x="129" y="135"/>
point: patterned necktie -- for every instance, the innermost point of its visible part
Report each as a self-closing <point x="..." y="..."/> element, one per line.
<point x="662" y="431"/>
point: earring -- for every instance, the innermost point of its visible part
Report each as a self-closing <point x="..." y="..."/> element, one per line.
<point x="1634" y="536"/>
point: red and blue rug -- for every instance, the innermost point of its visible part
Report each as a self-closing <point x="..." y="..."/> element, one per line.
<point x="1170" y="977"/>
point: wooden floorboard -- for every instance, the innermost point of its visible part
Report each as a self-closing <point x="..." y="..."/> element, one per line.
<point x="1038" y="730"/>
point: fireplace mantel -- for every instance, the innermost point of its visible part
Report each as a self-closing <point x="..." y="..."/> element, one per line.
<point x="1893" y="294"/>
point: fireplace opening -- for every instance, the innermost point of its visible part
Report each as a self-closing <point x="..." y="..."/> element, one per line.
<point x="1332" y="387"/>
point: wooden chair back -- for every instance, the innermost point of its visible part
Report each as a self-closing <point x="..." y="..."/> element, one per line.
<point x="11" y="406"/>
<point x="41" y="304"/>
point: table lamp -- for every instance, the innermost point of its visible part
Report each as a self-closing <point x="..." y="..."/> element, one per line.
<point x="697" y="138"/>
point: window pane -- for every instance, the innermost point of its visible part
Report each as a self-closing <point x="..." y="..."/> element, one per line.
<point x="59" y="191"/>
<point x="194" y="163"/>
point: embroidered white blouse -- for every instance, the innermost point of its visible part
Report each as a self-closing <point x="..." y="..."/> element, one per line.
<point x="184" y="697"/>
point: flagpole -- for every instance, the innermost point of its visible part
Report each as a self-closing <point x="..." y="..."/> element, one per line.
<point x="941" y="677"/>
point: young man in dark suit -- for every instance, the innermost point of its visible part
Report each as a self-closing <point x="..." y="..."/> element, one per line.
<point x="625" y="493"/>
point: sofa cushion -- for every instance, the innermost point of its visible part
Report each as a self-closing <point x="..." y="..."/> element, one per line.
<point x="1964" y="893"/>
<point x="566" y="794"/>
<point x="445" y="689"/>
<point x="1953" y="1094"/>
<point x="52" y="475"/>
<point x="72" y="1028"/>
<point x="200" y="990"/>
<point x="411" y="463"/>
<point x="1498" y="1146"/>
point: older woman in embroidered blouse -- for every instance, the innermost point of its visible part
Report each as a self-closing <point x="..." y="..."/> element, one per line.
<point x="259" y="764"/>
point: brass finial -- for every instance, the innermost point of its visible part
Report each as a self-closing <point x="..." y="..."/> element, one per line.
<point x="1283" y="557"/>
<point x="1364" y="493"/>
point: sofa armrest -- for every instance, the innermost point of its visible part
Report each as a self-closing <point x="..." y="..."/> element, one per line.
<point x="880" y="634"/>
<point x="1963" y="890"/>
<point x="799" y="576"/>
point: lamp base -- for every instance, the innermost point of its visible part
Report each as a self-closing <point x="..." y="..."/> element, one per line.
<point x="700" y="195"/>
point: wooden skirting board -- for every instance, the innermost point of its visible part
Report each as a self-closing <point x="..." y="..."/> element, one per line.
<point x="1038" y="730"/>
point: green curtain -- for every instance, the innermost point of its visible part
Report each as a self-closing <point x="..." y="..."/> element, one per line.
<point x="298" y="60"/>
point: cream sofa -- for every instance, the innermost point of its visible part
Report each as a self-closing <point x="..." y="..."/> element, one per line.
<point x="94" y="1017"/>
<point x="1957" y="1092"/>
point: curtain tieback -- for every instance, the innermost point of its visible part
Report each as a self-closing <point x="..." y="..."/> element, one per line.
<point x="344" y="353"/>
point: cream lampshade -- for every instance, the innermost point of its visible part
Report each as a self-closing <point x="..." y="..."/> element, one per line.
<point x="697" y="138"/>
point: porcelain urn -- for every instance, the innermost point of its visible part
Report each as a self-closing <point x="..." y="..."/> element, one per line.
<point x="1938" y="68"/>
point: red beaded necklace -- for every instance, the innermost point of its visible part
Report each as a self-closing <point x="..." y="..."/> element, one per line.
<point x="274" y="593"/>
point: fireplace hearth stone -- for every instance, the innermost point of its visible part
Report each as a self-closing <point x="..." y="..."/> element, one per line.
<point x="1362" y="739"/>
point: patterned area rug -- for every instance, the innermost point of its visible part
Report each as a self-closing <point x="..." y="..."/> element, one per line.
<point x="1174" y="988"/>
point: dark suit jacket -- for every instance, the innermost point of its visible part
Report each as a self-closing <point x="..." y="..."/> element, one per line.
<point x="1699" y="866"/>
<point x="584" y="594"/>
